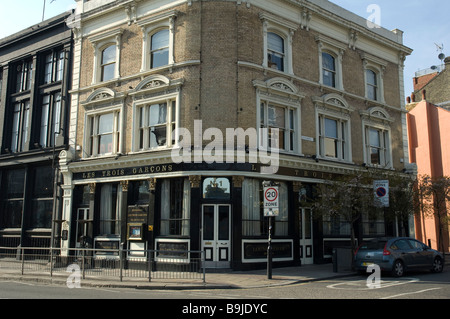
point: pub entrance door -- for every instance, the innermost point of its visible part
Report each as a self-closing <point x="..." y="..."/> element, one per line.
<point x="216" y="235"/>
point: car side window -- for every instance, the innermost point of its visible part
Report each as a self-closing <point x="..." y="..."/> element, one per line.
<point x="416" y="245"/>
<point x="401" y="245"/>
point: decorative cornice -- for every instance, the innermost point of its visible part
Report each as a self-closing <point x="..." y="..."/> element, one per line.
<point x="144" y="22"/>
<point x="265" y="16"/>
<point x="105" y="35"/>
<point x="279" y="86"/>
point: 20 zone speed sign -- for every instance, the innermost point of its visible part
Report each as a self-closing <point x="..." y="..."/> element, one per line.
<point x="271" y="201"/>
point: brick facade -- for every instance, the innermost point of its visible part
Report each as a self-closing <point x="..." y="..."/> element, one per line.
<point x="219" y="90"/>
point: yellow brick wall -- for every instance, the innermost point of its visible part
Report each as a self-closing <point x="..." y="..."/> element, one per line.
<point x="221" y="92"/>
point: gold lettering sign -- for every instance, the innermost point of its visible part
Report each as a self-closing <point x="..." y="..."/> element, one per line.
<point x="128" y="171"/>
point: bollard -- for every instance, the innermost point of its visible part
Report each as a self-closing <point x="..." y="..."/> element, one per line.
<point x="334" y="259"/>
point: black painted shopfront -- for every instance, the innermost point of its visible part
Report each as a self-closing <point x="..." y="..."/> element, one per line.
<point x="214" y="208"/>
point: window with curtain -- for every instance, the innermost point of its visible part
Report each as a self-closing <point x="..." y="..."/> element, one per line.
<point x="109" y="209"/>
<point x="175" y="207"/>
<point x="377" y="146"/>
<point x="104" y="133"/>
<point x="283" y="118"/>
<point x="254" y="224"/>
<point x="333" y="138"/>
<point x="156" y="124"/>
<point x="328" y="69"/>
<point x="275" y="51"/>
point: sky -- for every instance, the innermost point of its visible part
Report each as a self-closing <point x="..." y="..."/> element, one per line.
<point x="424" y="23"/>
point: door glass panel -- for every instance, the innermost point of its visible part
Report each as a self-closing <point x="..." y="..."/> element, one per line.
<point x="300" y="221"/>
<point x="224" y="224"/>
<point x="307" y="223"/>
<point x="208" y="223"/>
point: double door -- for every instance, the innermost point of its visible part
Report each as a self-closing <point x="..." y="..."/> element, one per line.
<point x="216" y="235"/>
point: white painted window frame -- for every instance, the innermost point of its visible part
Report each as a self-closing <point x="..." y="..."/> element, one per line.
<point x="91" y="120"/>
<point x="280" y="92"/>
<point x="100" y="42"/>
<point x="335" y="49"/>
<point x="149" y="27"/>
<point x="285" y="29"/>
<point x="377" y="118"/>
<point x="378" y="66"/>
<point x="334" y="107"/>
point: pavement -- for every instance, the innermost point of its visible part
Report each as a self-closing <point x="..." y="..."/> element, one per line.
<point x="222" y="279"/>
<point x="213" y="280"/>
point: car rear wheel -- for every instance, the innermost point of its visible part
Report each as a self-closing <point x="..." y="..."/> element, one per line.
<point x="438" y="265"/>
<point x="398" y="270"/>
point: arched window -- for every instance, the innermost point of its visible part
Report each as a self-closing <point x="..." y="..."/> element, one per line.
<point x="159" y="50"/>
<point x="275" y="51"/>
<point x="108" y="63"/>
<point x="328" y="69"/>
<point x="372" y="85"/>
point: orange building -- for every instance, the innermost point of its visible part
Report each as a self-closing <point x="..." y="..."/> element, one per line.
<point x="429" y="148"/>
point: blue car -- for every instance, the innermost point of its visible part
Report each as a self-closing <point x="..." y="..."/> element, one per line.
<point x="397" y="255"/>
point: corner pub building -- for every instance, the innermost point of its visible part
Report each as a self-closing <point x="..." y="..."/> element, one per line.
<point x="143" y="70"/>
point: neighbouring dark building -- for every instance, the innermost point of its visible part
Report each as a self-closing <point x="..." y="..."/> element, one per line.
<point x="35" y="77"/>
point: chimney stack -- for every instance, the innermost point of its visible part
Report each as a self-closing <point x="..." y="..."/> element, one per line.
<point x="447" y="61"/>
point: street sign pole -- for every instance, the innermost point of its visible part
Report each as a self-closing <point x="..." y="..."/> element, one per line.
<point x="269" y="251"/>
<point x="270" y="210"/>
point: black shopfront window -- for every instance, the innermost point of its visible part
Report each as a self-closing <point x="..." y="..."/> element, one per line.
<point x="11" y="205"/>
<point x="254" y="223"/>
<point x="138" y="193"/>
<point x="175" y="207"/>
<point x="42" y="200"/>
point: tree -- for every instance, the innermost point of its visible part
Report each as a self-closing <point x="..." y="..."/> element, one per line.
<point x="401" y="207"/>
<point x="433" y="194"/>
<point x="348" y="199"/>
<point x="343" y="200"/>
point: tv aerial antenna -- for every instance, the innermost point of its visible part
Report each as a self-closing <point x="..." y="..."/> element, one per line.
<point x="440" y="48"/>
<point x="441" y="56"/>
